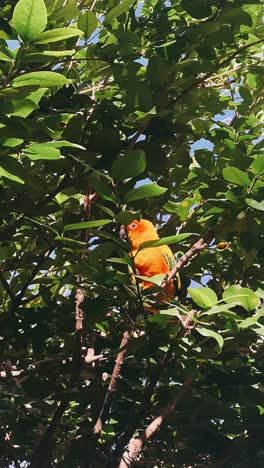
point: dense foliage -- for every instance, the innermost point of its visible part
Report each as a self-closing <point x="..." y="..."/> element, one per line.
<point x="111" y="110"/>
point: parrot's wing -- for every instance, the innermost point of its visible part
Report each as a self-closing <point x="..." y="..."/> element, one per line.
<point x="171" y="262"/>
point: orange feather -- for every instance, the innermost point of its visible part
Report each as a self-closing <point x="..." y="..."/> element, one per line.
<point x="153" y="260"/>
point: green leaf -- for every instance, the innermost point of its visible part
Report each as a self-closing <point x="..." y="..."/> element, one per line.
<point x="236" y="176"/>
<point x="42" y="151"/>
<point x="248" y="322"/>
<point x="65" y="13"/>
<point x="131" y="164"/>
<point x="65" y="143"/>
<point x="155" y="279"/>
<point x="121" y="261"/>
<point x="197" y="8"/>
<point x="29" y="18"/>
<point x="257" y="167"/>
<point x="4" y="26"/>
<point x="86" y="225"/>
<point x="45" y="55"/>
<point x="72" y="242"/>
<point x="241" y="296"/>
<point x="157" y="71"/>
<point x="21" y="107"/>
<point x="211" y="334"/>
<point x="126" y="217"/>
<point x="58" y="34"/>
<point x="204" y="297"/>
<point x="165" y="241"/>
<point x="5" y="58"/>
<point x="42" y="79"/>
<point x="255" y="204"/>
<point x="145" y="191"/>
<point x="118" y="10"/>
<point x="139" y="96"/>
<point x="4" y="173"/>
<point x="87" y="23"/>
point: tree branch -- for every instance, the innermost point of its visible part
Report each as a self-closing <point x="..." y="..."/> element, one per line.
<point x="136" y="444"/>
<point x="7" y="287"/>
<point x="34" y="272"/>
<point x="112" y="385"/>
<point x="43" y="453"/>
<point x="200" y="245"/>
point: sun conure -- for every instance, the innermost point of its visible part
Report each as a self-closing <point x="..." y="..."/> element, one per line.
<point x="153" y="260"/>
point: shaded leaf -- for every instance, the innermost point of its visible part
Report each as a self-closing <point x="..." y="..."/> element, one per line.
<point x="87" y="23"/>
<point x="87" y="225"/>
<point x="131" y="164"/>
<point x="236" y="176"/>
<point x="126" y="217"/>
<point x="198" y="8"/>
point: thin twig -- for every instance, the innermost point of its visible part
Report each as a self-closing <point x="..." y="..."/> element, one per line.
<point x="112" y="387"/>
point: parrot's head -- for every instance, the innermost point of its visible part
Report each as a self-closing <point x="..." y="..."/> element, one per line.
<point x="139" y="232"/>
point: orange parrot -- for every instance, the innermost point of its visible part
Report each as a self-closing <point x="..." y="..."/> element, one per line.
<point x="153" y="260"/>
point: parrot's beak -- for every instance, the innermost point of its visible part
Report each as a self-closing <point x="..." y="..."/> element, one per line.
<point x="122" y="233"/>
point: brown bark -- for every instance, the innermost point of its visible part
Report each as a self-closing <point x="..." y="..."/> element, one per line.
<point x="112" y="385"/>
<point x="135" y="445"/>
<point x="200" y="245"/>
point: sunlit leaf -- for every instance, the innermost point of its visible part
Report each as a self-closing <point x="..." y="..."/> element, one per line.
<point x="4" y="173"/>
<point x="42" y="151"/>
<point x="166" y="240"/>
<point x="255" y="204"/>
<point x="42" y="79"/>
<point x="257" y="167"/>
<point x="211" y="334"/>
<point x="57" y="34"/>
<point x="29" y="18"/>
<point x="119" y="10"/>
<point x="242" y="296"/>
<point x="145" y="191"/>
<point x="204" y="297"/>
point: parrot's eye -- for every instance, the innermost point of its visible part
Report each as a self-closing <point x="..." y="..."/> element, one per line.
<point x="133" y="226"/>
